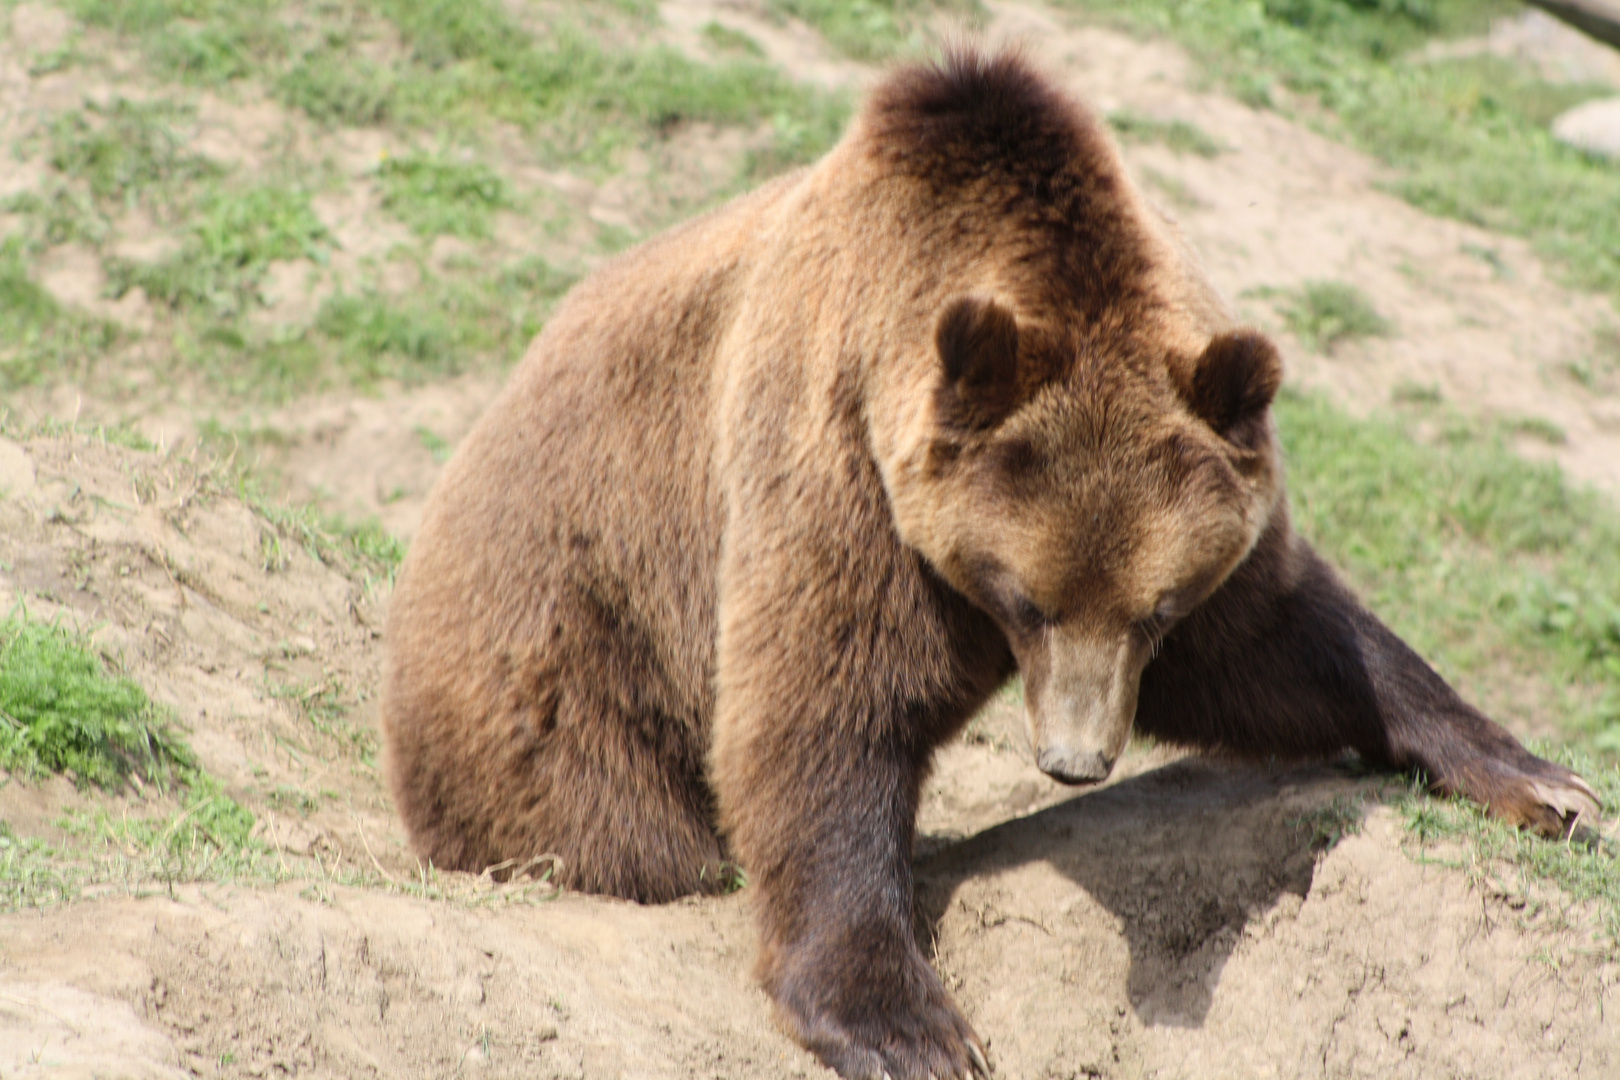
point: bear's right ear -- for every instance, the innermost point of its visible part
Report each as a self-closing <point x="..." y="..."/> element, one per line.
<point x="1234" y="381"/>
<point x="978" y="352"/>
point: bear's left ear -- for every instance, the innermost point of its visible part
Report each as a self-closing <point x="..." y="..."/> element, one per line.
<point x="1235" y="380"/>
<point x="978" y="352"/>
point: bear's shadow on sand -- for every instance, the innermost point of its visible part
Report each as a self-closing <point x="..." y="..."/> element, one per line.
<point x="1183" y="855"/>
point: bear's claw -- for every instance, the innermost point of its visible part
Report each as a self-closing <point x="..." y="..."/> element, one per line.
<point x="1572" y="799"/>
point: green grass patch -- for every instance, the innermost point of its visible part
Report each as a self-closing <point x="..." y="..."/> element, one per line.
<point x="437" y="195"/>
<point x="209" y="42"/>
<point x="433" y="443"/>
<point x="125" y="151"/>
<point x="1182" y="136"/>
<point x="724" y="39"/>
<point x="364" y="549"/>
<point x="1177" y="193"/>
<point x="39" y="339"/>
<point x="60" y="214"/>
<point x="471" y="59"/>
<point x="872" y="29"/>
<point x="233" y="236"/>
<point x="447" y="325"/>
<point x="334" y="86"/>
<point x="1485" y="562"/>
<point x="1468" y="136"/>
<point x="1599" y="369"/>
<point x="1538" y="428"/>
<point x="206" y="836"/>
<point x="62" y="711"/>
<point x="1324" y="314"/>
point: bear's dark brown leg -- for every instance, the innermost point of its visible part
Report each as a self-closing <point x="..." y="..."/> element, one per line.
<point x="834" y="688"/>
<point x="1284" y="662"/>
<point x="834" y="902"/>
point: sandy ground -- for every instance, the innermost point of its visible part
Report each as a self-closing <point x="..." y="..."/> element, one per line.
<point x="1180" y="922"/>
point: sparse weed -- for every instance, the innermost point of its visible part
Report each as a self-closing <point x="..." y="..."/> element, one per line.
<point x="234" y="235"/>
<point x="207" y="836"/>
<point x="726" y="40"/>
<point x="125" y="151"/>
<point x="1536" y="427"/>
<point x="61" y="214"/>
<point x="1182" y="136"/>
<point x="1331" y="822"/>
<point x="333" y="86"/>
<point x="1508" y="862"/>
<point x="288" y="798"/>
<point x="435" y="194"/>
<point x="434" y="444"/>
<point x="473" y="58"/>
<point x="1597" y="370"/>
<point x="374" y="335"/>
<point x="1180" y="195"/>
<point x="365" y="547"/>
<point x="202" y="41"/>
<point x="871" y="29"/>
<point x="1407" y="392"/>
<point x="325" y="704"/>
<point x="39" y="339"/>
<point x="1326" y="313"/>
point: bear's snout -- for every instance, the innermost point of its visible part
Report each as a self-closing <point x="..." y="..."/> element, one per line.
<point x="1074" y="766"/>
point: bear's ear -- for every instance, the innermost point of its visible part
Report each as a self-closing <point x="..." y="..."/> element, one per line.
<point x="1235" y="380"/>
<point x="978" y="353"/>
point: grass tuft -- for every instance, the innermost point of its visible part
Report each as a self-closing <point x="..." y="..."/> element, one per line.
<point x="210" y="42"/>
<point x="724" y="39"/>
<point x="335" y="87"/>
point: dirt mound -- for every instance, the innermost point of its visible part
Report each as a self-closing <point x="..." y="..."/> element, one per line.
<point x="1177" y="922"/>
<point x="225" y="613"/>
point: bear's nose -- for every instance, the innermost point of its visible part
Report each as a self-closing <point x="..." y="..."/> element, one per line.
<point x="1074" y="766"/>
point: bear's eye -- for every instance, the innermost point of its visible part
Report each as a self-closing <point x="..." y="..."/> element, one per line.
<point x="1153" y="627"/>
<point x="1026" y="614"/>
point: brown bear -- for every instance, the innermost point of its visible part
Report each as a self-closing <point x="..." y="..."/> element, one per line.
<point x="780" y="497"/>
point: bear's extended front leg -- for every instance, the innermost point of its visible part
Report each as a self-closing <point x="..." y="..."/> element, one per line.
<point x="840" y="669"/>
<point x="821" y="815"/>
<point x="1283" y="661"/>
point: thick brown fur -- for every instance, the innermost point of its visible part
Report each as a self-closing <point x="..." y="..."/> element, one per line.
<point x="778" y="498"/>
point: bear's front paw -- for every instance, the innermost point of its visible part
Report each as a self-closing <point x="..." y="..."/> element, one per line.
<point x="1534" y="794"/>
<point x="868" y="1025"/>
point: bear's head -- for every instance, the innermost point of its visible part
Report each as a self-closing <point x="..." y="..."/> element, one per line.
<point x="1071" y="431"/>
<point x="1088" y="491"/>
